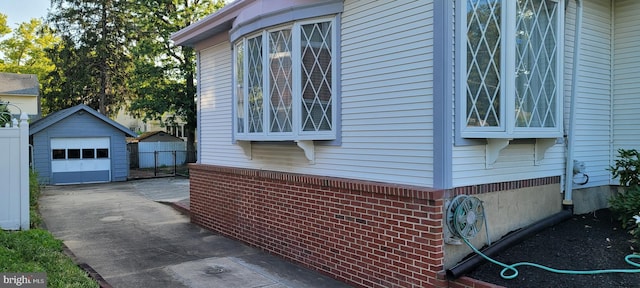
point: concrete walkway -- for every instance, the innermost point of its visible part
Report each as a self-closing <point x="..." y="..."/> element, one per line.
<point x="131" y="240"/>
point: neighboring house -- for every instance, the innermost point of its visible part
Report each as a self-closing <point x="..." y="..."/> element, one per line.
<point x="334" y="133"/>
<point x="140" y="126"/>
<point x="157" y="136"/>
<point x="156" y="149"/>
<point x="21" y="90"/>
<point x="79" y="145"/>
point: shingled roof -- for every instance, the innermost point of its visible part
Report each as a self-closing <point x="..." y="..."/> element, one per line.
<point x="19" y="84"/>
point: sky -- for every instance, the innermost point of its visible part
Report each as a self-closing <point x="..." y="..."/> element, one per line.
<point x="19" y="11"/>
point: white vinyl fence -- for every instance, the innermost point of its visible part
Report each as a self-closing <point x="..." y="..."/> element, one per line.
<point x="14" y="175"/>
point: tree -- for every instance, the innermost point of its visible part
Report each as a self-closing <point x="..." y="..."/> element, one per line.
<point x="164" y="77"/>
<point x="94" y="60"/>
<point x="4" y="28"/>
<point x="68" y="81"/>
<point x="24" y="50"/>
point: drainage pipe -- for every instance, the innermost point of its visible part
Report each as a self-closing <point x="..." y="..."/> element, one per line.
<point x="476" y="260"/>
<point x="568" y="181"/>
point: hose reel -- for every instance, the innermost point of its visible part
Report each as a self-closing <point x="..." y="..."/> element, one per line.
<point x="465" y="217"/>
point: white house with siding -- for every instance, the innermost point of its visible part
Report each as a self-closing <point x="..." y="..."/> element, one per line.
<point x="21" y="92"/>
<point x="334" y="133"/>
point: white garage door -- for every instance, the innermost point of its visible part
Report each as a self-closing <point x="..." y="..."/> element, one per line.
<point x="80" y="160"/>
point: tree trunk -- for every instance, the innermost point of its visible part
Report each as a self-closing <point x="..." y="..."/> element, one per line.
<point x="103" y="61"/>
<point x="192" y="116"/>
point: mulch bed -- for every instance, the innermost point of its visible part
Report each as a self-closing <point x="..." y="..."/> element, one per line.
<point x="584" y="242"/>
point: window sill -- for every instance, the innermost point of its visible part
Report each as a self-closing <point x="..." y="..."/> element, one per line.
<point x="286" y="137"/>
<point x="528" y="134"/>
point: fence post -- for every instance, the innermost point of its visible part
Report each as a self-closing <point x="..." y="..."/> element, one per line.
<point x="155" y="163"/>
<point x="24" y="172"/>
<point x="175" y="162"/>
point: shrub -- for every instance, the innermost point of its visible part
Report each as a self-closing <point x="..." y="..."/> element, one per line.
<point x="626" y="205"/>
<point x="635" y="229"/>
<point x="34" y="194"/>
<point x="5" y="115"/>
<point x="626" y="168"/>
<point x="34" y="188"/>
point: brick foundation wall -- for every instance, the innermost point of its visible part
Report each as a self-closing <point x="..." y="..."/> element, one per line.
<point x="367" y="234"/>
<point x="364" y="233"/>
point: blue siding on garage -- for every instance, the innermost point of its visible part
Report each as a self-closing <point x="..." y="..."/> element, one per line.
<point x="81" y="123"/>
<point x="41" y="156"/>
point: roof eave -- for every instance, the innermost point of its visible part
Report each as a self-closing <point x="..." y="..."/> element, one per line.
<point x="62" y="114"/>
<point x="216" y="23"/>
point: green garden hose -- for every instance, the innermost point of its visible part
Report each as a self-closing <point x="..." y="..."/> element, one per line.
<point x="513" y="268"/>
<point x="461" y="230"/>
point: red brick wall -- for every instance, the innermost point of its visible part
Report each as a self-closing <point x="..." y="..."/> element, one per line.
<point x="364" y="233"/>
<point x="367" y="234"/>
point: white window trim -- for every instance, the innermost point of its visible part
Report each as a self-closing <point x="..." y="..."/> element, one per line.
<point x="297" y="133"/>
<point x="507" y="128"/>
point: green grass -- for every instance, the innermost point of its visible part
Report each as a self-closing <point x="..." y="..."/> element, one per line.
<point x="36" y="250"/>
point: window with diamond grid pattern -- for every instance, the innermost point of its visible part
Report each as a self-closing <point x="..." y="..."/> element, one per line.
<point x="290" y="94"/>
<point x="512" y="60"/>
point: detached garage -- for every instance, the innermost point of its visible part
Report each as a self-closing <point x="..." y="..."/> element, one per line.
<point x="79" y="145"/>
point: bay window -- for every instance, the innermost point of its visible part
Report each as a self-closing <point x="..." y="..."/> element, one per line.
<point x="285" y="83"/>
<point x="510" y="68"/>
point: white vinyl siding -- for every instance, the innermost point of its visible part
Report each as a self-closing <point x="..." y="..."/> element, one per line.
<point x="386" y="98"/>
<point x="215" y="107"/>
<point x="593" y="122"/>
<point x="387" y="89"/>
<point x="593" y="102"/>
<point x="626" y="104"/>
<point x="516" y="162"/>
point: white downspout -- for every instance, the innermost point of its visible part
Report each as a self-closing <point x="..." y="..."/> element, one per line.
<point x="568" y="182"/>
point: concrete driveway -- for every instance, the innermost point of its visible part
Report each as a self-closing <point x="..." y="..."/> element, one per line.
<point x="133" y="241"/>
